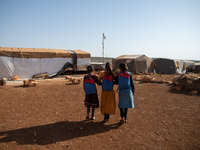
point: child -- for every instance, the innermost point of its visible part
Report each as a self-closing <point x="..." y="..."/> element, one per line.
<point x="126" y="91"/>
<point x="91" y="97"/>
<point x="108" y="103"/>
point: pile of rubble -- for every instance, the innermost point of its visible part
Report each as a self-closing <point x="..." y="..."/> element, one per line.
<point x="187" y="83"/>
<point x="147" y="78"/>
<point x="3" y="81"/>
<point x="30" y="83"/>
<point x="74" y="80"/>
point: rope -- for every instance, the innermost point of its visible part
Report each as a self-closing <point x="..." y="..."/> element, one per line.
<point x="23" y="62"/>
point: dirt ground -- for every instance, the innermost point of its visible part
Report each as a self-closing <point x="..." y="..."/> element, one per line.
<point x="52" y="116"/>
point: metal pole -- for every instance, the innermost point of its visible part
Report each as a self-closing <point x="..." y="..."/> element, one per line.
<point x="103" y="47"/>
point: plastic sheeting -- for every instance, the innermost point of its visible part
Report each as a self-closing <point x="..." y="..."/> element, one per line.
<point x="26" y="68"/>
<point x="172" y="66"/>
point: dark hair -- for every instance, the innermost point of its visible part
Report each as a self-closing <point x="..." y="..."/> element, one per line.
<point x="89" y="70"/>
<point x="123" y="67"/>
<point x="108" y="68"/>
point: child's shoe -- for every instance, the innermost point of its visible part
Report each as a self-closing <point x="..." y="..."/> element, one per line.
<point x="93" y="118"/>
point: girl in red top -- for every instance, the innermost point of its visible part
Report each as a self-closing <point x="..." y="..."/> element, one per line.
<point x="91" y="97"/>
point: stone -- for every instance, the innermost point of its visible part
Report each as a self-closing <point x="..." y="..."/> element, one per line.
<point x="32" y="83"/>
<point x="146" y="78"/>
<point x="15" y="77"/>
<point x="194" y="92"/>
<point x="169" y="82"/>
<point x="67" y="77"/>
<point x="178" y="88"/>
<point x="152" y="80"/>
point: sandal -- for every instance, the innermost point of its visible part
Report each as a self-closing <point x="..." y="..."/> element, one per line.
<point x="105" y="120"/>
<point x="93" y="118"/>
<point x="122" y="120"/>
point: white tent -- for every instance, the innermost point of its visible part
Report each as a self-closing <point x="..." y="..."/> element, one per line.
<point x="26" y="62"/>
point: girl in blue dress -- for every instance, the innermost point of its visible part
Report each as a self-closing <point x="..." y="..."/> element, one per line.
<point x="126" y="91"/>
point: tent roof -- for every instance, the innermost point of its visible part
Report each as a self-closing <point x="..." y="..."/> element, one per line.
<point x="40" y="53"/>
<point x="129" y="56"/>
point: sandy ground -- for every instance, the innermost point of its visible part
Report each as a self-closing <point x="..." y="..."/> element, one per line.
<point x="52" y="116"/>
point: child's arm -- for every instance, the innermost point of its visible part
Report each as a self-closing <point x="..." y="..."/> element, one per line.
<point x="101" y="76"/>
<point x="132" y="84"/>
<point x="83" y="82"/>
<point x="96" y="80"/>
<point x="116" y="80"/>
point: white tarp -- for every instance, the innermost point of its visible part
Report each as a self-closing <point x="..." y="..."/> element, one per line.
<point x="25" y="68"/>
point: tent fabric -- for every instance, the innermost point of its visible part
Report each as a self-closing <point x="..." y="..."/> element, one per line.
<point x="135" y="63"/>
<point x="197" y="67"/>
<point x="26" y="68"/>
<point x="172" y="66"/>
<point x="35" y="61"/>
<point x="40" y="53"/>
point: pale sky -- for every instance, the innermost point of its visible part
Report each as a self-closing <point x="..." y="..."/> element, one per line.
<point x="156" y="28"/>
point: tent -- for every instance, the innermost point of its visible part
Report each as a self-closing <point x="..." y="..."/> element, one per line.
<point x="135" y="63"/>
<point x="172" y="66"/>
<point x="197" y="67"/>
<point x="26" y="62"/>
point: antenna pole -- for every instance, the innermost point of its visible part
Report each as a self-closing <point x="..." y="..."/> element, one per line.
<point x="104" y="37"/>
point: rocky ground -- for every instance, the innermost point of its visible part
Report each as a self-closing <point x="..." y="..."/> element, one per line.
<point x="51" y="115"/>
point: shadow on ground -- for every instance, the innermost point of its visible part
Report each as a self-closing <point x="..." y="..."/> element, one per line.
<point x="56" y="132"/>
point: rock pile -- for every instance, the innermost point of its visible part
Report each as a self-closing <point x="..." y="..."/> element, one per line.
<point x="147" y="78"/>
<point x="74" y="80"/>
<point x="3" y="81"/>
<point x="187" y="83"/>
<point x="30" y="83"/>
<point x="15" y="77"/>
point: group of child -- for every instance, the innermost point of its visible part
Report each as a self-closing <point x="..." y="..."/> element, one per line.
<point x="108" y="97"/>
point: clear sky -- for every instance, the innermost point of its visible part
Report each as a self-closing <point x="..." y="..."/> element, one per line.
<point x="156" y="28"/>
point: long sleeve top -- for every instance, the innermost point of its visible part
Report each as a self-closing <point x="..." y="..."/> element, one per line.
<point x="131" y="82"/>
<point x="95" y="79"/>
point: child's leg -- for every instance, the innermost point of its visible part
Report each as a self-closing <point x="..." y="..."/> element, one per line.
<point x="88" y="113"/>
<point x="125" y="113"/>
<point x="105" y="117"/>
<point x="93" y="113"/>
<point x="108" y="116"/>
<point x="122" y="112"/>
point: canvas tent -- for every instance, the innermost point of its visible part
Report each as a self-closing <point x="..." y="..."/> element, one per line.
<point x="26" y="62"/>
<point x="135" y="63"/>
<point x="197" y="67"/>
<point x="172" y="66"/>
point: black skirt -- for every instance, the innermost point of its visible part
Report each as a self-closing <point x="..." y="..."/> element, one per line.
<point x="91" y="101"/>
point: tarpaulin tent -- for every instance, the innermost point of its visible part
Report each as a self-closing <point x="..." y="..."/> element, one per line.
<point x="135" y="63"/>
<point x="197" y="67"/>
<point x="26" y="62"/>
<point x="172" y="66"/>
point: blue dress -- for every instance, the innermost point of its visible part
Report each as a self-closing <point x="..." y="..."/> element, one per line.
<point x="126" y="89"/>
